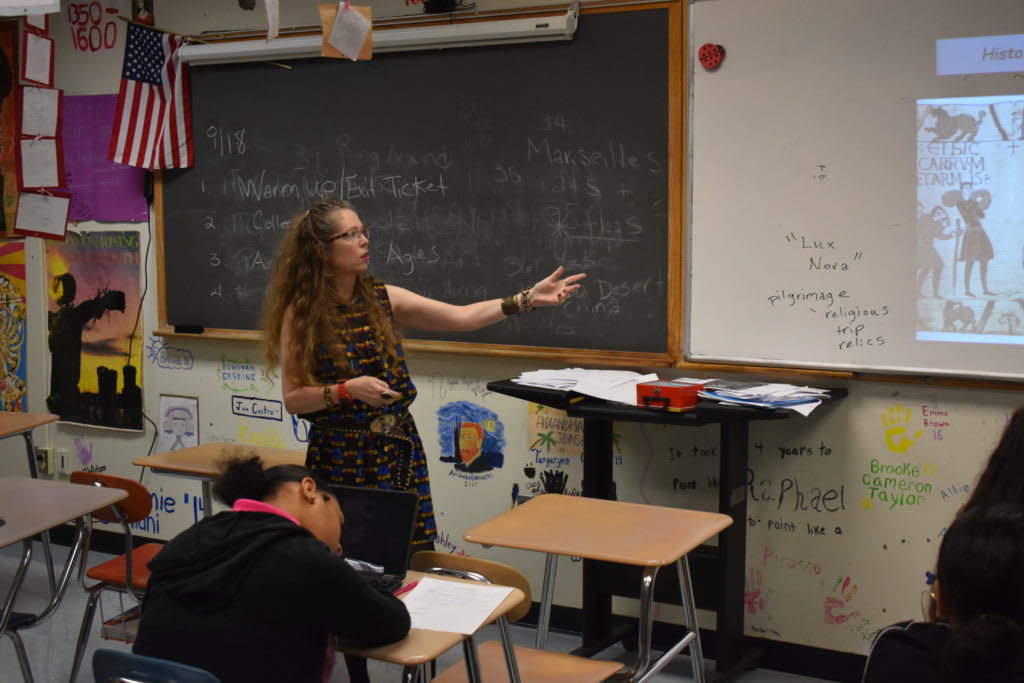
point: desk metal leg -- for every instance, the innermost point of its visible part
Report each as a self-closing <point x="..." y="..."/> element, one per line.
<point x="508" y="648"/>
<point x="692" y="637"/>
<point x="690" y="617"/>
<point x="207" y="498"/>
<point x="33" y="470"/>
<point x="472" y="661"/>
<point x="19" y="578"/>
<point x="547" y="596"/>
<point x="646" y="625"/>
<point x="732" y="551"/>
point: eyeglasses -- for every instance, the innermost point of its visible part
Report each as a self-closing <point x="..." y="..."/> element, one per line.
<point x="350" y="235"/>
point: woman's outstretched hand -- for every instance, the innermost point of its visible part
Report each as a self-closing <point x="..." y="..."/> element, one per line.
<point x="554" y="289"/>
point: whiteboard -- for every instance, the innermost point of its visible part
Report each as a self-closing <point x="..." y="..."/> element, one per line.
<point x="841" y="191"/>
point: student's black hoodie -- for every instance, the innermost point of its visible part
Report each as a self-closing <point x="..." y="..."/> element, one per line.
<point x="252" y="596"/>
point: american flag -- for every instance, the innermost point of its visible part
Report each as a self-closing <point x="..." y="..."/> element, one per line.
<point x="153" y="123"/>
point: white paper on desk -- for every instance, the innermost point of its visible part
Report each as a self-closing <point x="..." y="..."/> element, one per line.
<point x="804" y="408"/>
<point x="452" y="606"/>
<point x="623" y="390"/>
<point x="39" y="111"/>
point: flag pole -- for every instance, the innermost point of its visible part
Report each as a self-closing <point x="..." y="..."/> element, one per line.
<point x="192" y="38"/>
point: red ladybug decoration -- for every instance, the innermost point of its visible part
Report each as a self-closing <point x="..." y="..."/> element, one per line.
<point x="711" y="56"/>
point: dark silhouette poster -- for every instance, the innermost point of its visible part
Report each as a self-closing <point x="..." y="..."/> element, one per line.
<point x="94" y="323"/>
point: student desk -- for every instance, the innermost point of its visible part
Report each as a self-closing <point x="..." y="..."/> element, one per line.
<point x="32" y="506"/>
<point x="421" y="647"/>
<point x="203" y="462"/>
<point x="723" y="568"/>
<point x="646" y="536"/>
<point x="15" y="423"/>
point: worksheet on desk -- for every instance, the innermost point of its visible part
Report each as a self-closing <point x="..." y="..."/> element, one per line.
<point x="452" y="606"/>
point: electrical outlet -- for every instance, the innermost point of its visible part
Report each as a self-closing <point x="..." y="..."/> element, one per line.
<point x="63" y="458"/>
<point x="44" y="463"/>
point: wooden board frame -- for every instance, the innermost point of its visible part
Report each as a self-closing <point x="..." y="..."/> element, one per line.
<point x="676" y="88"/>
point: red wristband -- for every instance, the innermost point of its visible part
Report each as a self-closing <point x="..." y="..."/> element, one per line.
<point x="343" y="394"/>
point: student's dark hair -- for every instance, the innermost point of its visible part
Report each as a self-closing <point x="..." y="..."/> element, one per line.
<point x="243" y="476"/>
<point x="1002" y="481"/>
<point x="981" y="563"/>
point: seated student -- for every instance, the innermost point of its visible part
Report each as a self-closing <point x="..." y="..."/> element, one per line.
<point x="261" y="592"/>
<point x="980" y="597"/>
<point x="1002" y="480"/>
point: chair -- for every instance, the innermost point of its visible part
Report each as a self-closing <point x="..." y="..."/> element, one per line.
<point x="113" y="666"/>
<point x="534" y="666"/>
<point x="126" y="574"/>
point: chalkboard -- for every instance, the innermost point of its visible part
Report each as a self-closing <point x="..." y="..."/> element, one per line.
<point x="477" y="171"/>
<point x="841" y="153"/>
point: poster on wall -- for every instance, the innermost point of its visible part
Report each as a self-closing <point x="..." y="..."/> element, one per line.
<point x="8" y="125"/>
<point x="179" y="422"/>
<point x="94" y="321"/>
<point x="101" y="190"/>
<point x="13" y="377"/>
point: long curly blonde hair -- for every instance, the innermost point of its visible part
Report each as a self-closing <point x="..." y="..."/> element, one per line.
<point x="303" y="280"/>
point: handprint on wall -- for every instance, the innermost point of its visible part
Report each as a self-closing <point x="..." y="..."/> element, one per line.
<point x="753" y="597"/>
<point x="896" y="424"/>
<point x="842" y="592"/>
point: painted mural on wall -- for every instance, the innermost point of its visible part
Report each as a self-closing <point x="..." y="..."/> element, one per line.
<point x="472" y="439"/>
<point x="553" y="461"/>
<point x="13" y="377"/>
<point x="94" y="325"/>
<point x="180" y="422"/>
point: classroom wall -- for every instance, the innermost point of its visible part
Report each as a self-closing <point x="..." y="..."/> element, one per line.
<point x="846" y="507"/>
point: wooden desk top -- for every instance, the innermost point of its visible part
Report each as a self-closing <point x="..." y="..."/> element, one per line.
<point x="595" y="529"/>
<point x="31" y="506"/>
<point x="12" y="423"/>
<point x="204" y="460"/>
<point x="421" y="646"/>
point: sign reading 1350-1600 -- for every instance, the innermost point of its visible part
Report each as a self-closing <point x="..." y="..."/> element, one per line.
<point x="93" y="25"/>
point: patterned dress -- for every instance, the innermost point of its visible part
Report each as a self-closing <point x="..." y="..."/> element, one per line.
<point x="356" y="444"/>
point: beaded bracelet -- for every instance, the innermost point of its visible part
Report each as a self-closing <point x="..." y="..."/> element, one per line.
<point x="528" y="304"/>
<point x="328" y="401"/>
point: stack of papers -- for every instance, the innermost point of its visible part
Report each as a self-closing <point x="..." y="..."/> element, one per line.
<point x="610" y="385"/>
<point x="763" y="395"/>
<point x="452" y="606"/>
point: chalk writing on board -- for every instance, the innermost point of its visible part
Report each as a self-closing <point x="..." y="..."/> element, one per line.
<point x="517" y="175"/>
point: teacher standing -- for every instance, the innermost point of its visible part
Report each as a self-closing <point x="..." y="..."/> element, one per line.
<point x="333" y="330"/>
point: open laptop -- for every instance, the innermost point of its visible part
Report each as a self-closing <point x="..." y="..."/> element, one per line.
<point x="379" y="526"/>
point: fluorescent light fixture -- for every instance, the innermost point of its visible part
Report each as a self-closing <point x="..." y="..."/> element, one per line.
<point x="467" y="34"/>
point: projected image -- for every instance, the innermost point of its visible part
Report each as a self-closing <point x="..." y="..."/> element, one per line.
<point x="970" y="219"/>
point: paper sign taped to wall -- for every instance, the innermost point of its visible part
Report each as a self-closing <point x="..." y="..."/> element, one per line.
<point x="43" y="215"/>
<point x="42" y="163"/>
<point x="40" y="111"/>
<point x="351" y="21"/>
